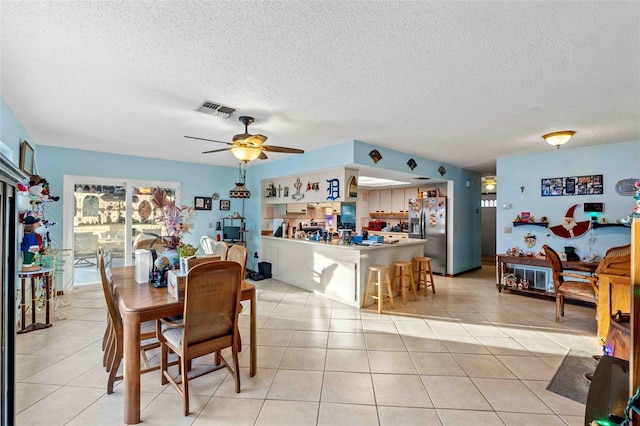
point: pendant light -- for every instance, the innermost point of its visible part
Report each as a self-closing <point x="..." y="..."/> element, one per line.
<point x="240" y="191"/>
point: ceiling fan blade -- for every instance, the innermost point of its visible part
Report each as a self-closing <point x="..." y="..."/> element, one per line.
<point x="208" y="140"/>
<point x="273" y="148"/>
<point x="257" y="139"/>
<point x="262" y="156"/>
<point x="216" y="150"/>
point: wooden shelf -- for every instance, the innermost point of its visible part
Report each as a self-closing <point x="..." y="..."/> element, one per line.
<point x="543" y="224"/>
<point x="389" y="215"/>
<point x="604" y="225"/>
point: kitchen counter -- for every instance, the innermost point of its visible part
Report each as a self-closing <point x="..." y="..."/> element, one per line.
<point x="339" y="272"/>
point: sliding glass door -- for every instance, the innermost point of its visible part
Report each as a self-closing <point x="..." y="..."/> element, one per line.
<point x="107" y="213"/>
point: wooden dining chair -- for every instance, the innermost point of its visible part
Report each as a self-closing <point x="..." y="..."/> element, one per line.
<point x="238" y="254"/>
<point x="114" y="346"/>
<point x="221" y="248"/>
<point x="207" y="243"/>
<point x="581" y="287"/>
<point x="209" y="324"/>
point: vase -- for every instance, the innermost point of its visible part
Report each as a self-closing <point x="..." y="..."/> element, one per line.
<point x="173" y="256"/>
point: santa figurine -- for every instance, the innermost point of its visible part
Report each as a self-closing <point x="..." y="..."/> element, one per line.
<point x="31" y="242"/>
<point x="569" y="227"/>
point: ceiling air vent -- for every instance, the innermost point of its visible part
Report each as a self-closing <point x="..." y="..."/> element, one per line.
<point x="216" y="109"/>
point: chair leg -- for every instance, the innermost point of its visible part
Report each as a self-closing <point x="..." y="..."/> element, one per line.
<point x="236" y="369"/>
<point x="412" y="284"/>
<point x="164" y="352"/>
<point x="389" y="289"/>
<point x="185" y="384"/>
<point x="115" y="365"/>
<point x="558" y="302"/>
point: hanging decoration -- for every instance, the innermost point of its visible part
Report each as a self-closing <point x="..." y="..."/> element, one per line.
<point x="240" y="191"/>
<point x="569" y="227"/>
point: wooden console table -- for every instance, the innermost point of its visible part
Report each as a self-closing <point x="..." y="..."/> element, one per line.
<point x="502" y="260"/>
<point x="45" y="275"/>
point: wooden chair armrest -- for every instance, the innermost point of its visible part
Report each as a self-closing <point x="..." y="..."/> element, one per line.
<point x="170" y="324"/>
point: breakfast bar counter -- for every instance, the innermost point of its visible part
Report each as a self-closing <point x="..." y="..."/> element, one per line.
<point x="338" y="272"/>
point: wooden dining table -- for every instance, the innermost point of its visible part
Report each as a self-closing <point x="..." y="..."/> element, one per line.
<point x="139" y="302"/>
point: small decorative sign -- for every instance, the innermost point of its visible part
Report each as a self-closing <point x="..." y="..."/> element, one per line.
<point x="225" y="205"/>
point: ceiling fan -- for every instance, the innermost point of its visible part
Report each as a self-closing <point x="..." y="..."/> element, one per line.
<point x="247" y="147"/>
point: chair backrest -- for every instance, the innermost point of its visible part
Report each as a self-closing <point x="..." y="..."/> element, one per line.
<point x="221" y="248"/>
<point x="107" y="289"/>
<point x="149" y="241"/>
<point x="619" y="251"/>
<point x="211" y="301"/>
<point x="238" y="254"/>
<point x="556" y="266"/>
<point x="207" y="243"/>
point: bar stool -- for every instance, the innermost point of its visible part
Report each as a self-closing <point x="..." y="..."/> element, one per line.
<point x="424" y="276"/>
<point x="379" y="276"/>
<point x="403" y="273"/>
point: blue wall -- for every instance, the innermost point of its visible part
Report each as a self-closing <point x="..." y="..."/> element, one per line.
<point x="614" y="162"/>
<point x="196" y="180"/>
<point x="202" y="180"/>
<point x="11" y="131"/>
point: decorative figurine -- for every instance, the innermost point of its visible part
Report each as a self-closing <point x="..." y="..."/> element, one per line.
<point x="31" y="242"/>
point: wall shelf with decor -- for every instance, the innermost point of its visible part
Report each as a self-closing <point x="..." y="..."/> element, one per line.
<point x="604" y="225"/>
<point x="544" y="224"/>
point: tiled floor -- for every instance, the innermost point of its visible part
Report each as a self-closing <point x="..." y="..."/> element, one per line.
<point x="465" y="356"/>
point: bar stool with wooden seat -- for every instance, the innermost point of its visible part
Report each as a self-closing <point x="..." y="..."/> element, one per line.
<point x="402" y="272"/>
<point x="379" y="277"/>
<point x="423" y="274"/>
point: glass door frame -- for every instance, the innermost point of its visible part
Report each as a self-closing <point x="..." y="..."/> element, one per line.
<point x="69" y="183"/>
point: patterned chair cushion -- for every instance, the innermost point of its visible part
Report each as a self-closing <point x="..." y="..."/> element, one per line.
<point x="578" y="288"/>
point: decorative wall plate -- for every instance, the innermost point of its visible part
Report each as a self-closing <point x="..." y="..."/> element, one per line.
<point x="215" y="196"/>
<point x="626" y="187"/>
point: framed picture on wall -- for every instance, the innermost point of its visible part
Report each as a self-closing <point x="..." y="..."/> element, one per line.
<point x="225" y="205"/>
<point x="27" y="158"/>
<point x="202" y="203"/>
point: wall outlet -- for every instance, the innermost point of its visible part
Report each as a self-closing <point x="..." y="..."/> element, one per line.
<point x="507" y="229"/>
<point x="210" y="225"/>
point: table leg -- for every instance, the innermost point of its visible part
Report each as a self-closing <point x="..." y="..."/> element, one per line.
<point x="33" y="301"/>
<point x="131" y="322"/>
<point x="23" y="305"/>
<point x="253" y="339"/>
<point x="47" y="289"/>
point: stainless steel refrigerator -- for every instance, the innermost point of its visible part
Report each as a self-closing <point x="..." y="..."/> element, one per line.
<point x="428" y="220"/>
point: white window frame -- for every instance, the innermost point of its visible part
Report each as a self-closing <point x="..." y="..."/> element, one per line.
<point x="69" y="183"/>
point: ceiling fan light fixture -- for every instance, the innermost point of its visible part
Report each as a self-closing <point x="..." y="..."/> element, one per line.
<point x="558" y="138"/>
<point x="244" y="153"/>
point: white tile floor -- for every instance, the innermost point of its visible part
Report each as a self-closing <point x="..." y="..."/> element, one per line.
<point x="465" y="356"/>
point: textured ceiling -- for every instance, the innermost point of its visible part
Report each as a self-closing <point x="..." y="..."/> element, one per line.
<point x="457" y="82"/>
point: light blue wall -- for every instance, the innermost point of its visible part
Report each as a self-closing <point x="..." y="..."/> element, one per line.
<point x="465" y="201"/>
<point x="11" y="131"/>
<point x="614" y="162"/>
<point x="196" y="180"/>
<point x="201" y="180"/>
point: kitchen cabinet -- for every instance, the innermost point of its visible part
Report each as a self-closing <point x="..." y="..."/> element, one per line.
<point x="297" y="208"/>
<point x="399" y="199"/>
<point x="374" y="201"/>
<point x="385" y="201"/>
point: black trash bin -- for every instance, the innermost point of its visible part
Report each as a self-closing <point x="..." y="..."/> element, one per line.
<point x="264" y="269"/>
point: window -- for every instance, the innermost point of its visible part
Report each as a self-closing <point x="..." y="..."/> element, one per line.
<point x="109" y="213"/>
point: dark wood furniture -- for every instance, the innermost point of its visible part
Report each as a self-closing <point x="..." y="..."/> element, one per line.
<point x="502" y="260"/>
<point x="139" y="302"/>
<point x="34" y="277"/>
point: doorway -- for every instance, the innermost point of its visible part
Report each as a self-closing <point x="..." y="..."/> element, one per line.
<point x="488" y="219"/>
<point x="110" y="214"/>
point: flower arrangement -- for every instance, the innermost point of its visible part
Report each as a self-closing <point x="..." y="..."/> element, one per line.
<point x="176" y="219"/>
<point x="185" y="250"/>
